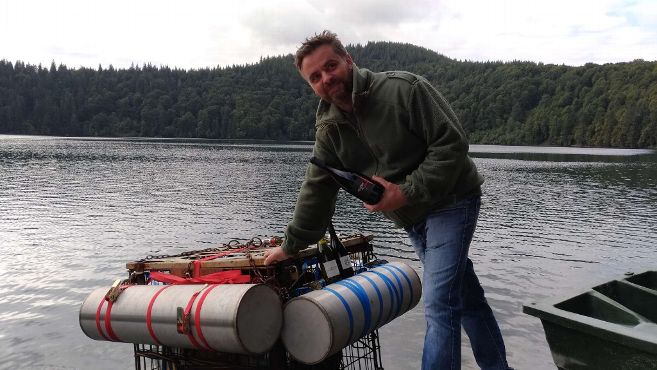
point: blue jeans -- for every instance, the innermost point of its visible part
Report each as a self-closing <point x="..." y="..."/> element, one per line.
<point x="452" y="293"/>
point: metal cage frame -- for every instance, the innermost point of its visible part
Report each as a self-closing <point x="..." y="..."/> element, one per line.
<point x="364" y="354"/>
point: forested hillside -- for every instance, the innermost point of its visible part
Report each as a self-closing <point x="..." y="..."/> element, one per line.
<point x="611" y="105"/>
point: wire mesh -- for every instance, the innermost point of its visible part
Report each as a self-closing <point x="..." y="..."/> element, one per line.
<point x="364" y="354"/>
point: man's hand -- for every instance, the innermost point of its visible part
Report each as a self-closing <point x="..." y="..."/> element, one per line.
<point x="392" y="198"/>
<point x="274" y="255"/>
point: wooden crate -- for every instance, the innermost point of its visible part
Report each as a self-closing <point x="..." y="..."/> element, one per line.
<point x="247" y="256"/>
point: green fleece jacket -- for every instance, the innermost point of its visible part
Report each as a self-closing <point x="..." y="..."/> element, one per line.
<point x="401" y="129"/>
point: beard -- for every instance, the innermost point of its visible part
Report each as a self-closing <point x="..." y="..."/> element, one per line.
<point x="341" y="93"/>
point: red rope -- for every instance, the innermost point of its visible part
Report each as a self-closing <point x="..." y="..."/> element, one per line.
<point x="221" y="277"/>
<point x="197" y="263"/>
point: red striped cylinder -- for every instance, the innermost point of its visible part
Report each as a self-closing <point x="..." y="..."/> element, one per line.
<point x="230" y="318"/>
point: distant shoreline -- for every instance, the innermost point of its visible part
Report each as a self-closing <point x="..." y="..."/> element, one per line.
<point x="474" y="148"/>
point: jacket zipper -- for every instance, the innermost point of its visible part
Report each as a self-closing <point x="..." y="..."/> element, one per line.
<point x="361" y="135"/>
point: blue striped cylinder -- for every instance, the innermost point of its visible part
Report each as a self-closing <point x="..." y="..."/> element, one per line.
<point x="322" y="322"/>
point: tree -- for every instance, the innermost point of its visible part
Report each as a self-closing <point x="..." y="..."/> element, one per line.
<point x="512" y="103"/>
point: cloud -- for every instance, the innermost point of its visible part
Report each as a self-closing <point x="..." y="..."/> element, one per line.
<point x="274" y="26"/>
<point x="202" y="33"/>
<point x="288" y="23"/>
<point x="366" y="13"/>
<point x="559" y="31"/>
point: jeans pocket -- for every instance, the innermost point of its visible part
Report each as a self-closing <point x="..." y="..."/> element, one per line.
<point x="445" y="227"/>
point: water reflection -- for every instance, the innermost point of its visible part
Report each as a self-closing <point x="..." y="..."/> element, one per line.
<point x="72" y="212"/>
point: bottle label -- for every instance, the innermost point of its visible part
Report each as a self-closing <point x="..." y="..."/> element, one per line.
<point x="331" y="269"/>
<point x="345" y="261"/>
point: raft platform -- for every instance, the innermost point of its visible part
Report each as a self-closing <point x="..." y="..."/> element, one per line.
<point x="291" y="278"/>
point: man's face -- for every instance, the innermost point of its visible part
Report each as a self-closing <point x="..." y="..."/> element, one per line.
<point x="329" y="75"/>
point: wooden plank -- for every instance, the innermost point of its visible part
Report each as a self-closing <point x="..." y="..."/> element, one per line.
<point x="237" y="260"/>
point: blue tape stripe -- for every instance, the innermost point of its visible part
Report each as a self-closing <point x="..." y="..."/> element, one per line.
<point x="395" y="307"/>
<point x="346" y="306"/>
<point x="378" y="294"/>
<point x="408" y="280"/>
<point x="360" y="293"/>
<point x="401" y="287"/>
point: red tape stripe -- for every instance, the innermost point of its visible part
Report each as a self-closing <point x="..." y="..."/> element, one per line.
<point x="188" y="309"/>
<point x="197" y="317"/>
<point x="100" y="307"/>
<point x="149" y="311"/>
<point x="108" y="322"/>
<point x="196" y="272"/>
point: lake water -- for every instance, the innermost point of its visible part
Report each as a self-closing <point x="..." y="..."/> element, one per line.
<point x="74" y="211"/>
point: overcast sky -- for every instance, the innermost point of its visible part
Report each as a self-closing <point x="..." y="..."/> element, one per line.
<point x="207" y="33"/>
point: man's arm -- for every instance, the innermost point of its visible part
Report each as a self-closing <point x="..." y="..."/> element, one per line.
<point x="314" y="208"/>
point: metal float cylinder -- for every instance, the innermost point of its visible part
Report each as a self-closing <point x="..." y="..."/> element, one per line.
<point x="230" y="318"/>
<point x="322" y="322"/>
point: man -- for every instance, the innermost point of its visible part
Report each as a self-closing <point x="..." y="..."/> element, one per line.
<point x="396" y="127"/>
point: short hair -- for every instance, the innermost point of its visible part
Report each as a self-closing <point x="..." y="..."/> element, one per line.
<point x="326" y="37"/>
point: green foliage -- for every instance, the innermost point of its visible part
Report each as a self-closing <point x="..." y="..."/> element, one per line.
<point x="517" y="103"/>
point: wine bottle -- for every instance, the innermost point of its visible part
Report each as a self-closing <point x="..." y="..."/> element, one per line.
<point x="327" y="262"/>
<point x="356" y="184"/>
<point x="342" y="255"/>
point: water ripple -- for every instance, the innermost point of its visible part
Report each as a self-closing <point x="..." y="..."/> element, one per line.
<point x="73" y="212"/>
